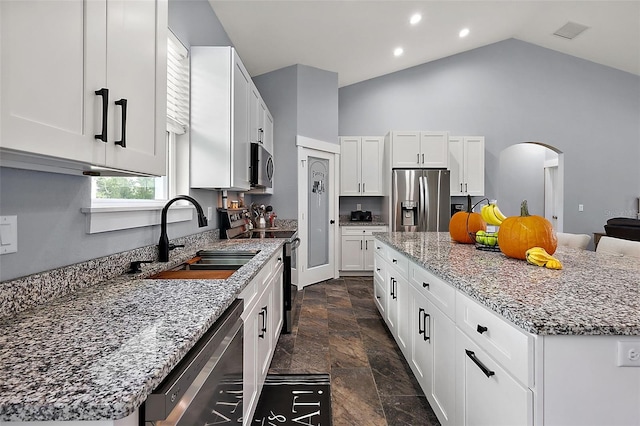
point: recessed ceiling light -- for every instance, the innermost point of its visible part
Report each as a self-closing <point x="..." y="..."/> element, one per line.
<point x="415" y="18"/>
<point x="464" y="32"/>
<point x="398" y="51"/>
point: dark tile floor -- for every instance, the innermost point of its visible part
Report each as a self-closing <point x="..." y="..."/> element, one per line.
<point x="338" y="330"/>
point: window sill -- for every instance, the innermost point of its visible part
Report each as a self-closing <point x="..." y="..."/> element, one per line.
<point x="114" y="218"/>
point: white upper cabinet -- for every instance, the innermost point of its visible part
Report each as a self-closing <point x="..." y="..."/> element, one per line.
<point x="421" y="150"/>
<point x="221" y="96"/>
<point x="361" y="165"/>
<point x="466" y="161"/>
<point x="56" y="55"/>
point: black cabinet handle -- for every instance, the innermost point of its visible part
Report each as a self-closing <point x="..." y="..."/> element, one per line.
<point x="105" y="107"/>
<point x="366" y="245"/>
<point x="360" y="244"/>
<point x="359" y="188"/>
<point x="123" y="142"/>
<point x="480" y="365"/>
<point x="420" y="321"/>
<point x="426" y="327"/>
<point x="263" y="329"/>
<point x="425" y="285"/>
<point x="481" y="329"/>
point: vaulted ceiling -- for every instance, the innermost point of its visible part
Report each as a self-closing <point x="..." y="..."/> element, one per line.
<point x="357" y="38"/>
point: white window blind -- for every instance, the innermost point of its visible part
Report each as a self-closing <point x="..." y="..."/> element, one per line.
<point x="177" y="86"/>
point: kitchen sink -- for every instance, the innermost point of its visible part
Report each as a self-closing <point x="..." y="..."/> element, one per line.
<point x="221" y="264"/>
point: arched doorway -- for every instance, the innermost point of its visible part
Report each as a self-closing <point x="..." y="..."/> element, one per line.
<point x="532" y="171"/>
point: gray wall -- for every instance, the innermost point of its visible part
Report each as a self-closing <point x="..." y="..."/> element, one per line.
<point x="303" y="101"/>
<point x="526" y="161"/>
<point x="513" y="92"/>
<point x="51" y="228"/>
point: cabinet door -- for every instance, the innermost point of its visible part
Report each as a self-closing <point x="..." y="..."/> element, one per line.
<point x="137" y="72"/>
<point x="371" y="153"/>
<point x="456" y="165"/>
<point x="268" y="131"/>
<point x="276" y="312"/>
<point x="379" y="286"/>
<point x="48" y="101"/>
<point x="254" y="114"/>
<point x="250" y="364"/>
<point x="350" y="166"/>
<point x="486" y="393"/>
<point x="403" y="334"/>
<point x="369" y="252"/>
<point x="352" y="252"/>
<point x="434" y="150"/>
<point x="265" y="340"/>
<point x="240" y="136"/>
<point x="474" y="165"/>
<point x="405" y="149"/>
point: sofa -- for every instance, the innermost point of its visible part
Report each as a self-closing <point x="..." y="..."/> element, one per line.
<point x="623" y="227"/>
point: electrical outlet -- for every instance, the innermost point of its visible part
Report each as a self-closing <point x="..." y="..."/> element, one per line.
<point x="580" y="207"/>
<point x="628" y="354"/>
<point x="358" y="206"/>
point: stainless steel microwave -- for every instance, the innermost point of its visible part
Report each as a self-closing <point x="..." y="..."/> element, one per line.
<point x="261" y="166"/>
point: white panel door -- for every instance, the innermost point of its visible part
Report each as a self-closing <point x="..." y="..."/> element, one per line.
<point x="49" y="105"/>
<point x="405" y="150"/>
<point x="135" y="41"/>
<point x="474" y="165"/>
<point x="371" y="153"/>
<point x="350" y="166"/>
<point x="434" y="150"/>
<point x="352" y="253"/>
<point x="240" y="133"/>
<point x="456" y="165"/>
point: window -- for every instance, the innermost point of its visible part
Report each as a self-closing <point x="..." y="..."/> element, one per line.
<point x="111" y="194"/>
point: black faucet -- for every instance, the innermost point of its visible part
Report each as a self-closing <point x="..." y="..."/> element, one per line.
<point x="163" y="244"/>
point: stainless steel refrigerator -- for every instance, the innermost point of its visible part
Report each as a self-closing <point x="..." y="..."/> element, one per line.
<point x="420" y="200"/>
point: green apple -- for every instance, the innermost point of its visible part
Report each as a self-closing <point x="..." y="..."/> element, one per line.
<point x="480" y="237"/>
<point x="491" y="239"/>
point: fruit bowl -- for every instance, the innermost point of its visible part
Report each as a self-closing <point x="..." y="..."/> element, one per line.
<point x="486" y="240"/>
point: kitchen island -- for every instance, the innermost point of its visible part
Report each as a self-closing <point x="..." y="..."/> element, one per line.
<point x="97" y="353"/>
<point x="557" y="347"/>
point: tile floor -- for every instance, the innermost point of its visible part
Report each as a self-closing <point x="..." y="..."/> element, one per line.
<point x="338" y="330"/>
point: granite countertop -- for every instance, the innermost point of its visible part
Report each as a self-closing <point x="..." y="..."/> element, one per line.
<point x="97" y="353"/>
<point x="594" y="293"/>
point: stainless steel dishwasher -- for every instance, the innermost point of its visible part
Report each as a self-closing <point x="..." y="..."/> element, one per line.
<point x="206" y="386"/>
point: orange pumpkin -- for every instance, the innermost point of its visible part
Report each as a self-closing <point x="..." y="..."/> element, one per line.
<point x="463" y="223"/>
<point x="517" y="234"/>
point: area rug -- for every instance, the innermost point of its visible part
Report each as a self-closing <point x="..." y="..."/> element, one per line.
<point x="294" y="399"/>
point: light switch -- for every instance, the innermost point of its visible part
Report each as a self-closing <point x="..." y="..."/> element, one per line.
<point x="580" y="207"/>
<point x="358" y="207"/>
<point x="8" y="234"/>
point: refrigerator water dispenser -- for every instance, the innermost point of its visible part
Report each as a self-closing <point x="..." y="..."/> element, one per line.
<point x="409" y="213"/>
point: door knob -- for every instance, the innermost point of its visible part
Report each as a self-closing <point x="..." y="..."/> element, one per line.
<point x="332" y="221"/>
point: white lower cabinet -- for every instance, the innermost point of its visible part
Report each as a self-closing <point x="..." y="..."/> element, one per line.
<point x="263" y="318"/>
<point x="358" y="247"/>
<point x="487" y="393"/>
<point x="473" y="366"/>
<point x="431" y="349"/>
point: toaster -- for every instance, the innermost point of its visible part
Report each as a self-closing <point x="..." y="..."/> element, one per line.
<point x="361" y="216"/>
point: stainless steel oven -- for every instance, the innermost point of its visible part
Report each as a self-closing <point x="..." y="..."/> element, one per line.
<point x="206" y="386"/>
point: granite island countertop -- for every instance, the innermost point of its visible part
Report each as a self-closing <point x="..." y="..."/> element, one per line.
<point x="594" y="293"/>
<point x="96" y="354"/>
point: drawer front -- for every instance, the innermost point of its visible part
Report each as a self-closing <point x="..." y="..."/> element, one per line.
<point x="380" y="295"/>
<point x="381" y="249"/>
<point x="441" y="294"/>
<point x="487" y="394"/>
<point x="507" y="344"/>
<point x="379" y="267"/>
<point x="361" y="230"/>
<point x="398" y="262"/>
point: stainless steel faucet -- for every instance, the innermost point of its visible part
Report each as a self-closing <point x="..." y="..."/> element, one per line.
<point x="163" y="245"/>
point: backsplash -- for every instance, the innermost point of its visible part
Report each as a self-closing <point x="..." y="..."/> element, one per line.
<point x="27" y="292"/>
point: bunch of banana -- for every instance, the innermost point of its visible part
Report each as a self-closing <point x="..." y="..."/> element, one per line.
<point x="492" y="215"/>
<point x="539" y="257"/>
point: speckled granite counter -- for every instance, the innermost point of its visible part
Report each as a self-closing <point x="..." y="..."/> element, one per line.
<point x="594" y="294"/>
<point x="97" y="353"/>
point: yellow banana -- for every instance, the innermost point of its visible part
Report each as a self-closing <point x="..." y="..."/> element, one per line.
<point x="488" y="215"/>
<point x="539" y="257"/>
<point x="498" y="213"/>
